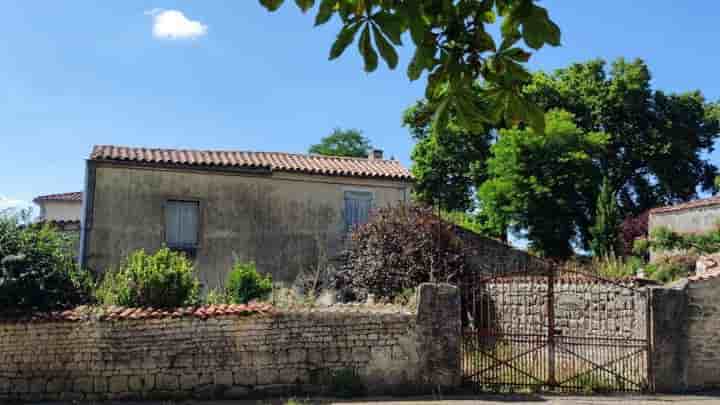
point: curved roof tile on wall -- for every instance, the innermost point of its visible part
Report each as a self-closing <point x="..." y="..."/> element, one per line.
<point x="275" y="161"/>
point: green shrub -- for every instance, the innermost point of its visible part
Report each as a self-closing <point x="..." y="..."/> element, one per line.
<point x="217" y="296"/>
<point x="245" y="284"/>
<point x="165" y="279"/>
<point x="37" y="271"/>
<point x="616" y="267"/>
<point x="671" y="268"/>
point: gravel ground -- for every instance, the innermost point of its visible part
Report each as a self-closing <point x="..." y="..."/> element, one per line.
<point x="700" y="399"/>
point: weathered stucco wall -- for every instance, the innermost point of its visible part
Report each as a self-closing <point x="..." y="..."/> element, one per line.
<point x="234" y="356"/>
<point x="60" y="210"/>
<point x="582" y="307"/>
<point x="669" y="308"/>
<point x="693" y="220"/>
<point x="701" y="219"/>
<point x="281" y="221"/>
<point x="703" y="334"/>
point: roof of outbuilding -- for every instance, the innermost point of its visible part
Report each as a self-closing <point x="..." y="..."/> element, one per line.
<point x="274" y="161"/>
<point x="702" y="202"/>
<point x="74" y="196"/>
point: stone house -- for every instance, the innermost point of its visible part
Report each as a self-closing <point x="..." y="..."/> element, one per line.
<point x="284" y="211"/>
<point x="698" y="216"/>
<point x="63" y="210"/>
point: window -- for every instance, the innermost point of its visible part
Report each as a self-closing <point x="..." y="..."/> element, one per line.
<point x="357" y="207"/>
<point x="182" y="224"/>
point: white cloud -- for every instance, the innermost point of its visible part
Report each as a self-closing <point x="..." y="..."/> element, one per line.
<point x="172" y="24"/>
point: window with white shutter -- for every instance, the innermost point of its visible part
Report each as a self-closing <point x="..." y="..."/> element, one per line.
<point x="182" y="219"/>
<point x="357" y="207"/>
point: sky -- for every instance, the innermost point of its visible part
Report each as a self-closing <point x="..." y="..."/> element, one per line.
<point x="230" y="75"/>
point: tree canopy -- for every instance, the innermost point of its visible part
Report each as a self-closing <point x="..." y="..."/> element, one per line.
<point x="452" y="46"/>
<point x="655" y="154"/>
<point x="343" y="142"/>
<point x="447" y="164"/>
<point x="544" y="186"/>
<point x="657" y="146"/>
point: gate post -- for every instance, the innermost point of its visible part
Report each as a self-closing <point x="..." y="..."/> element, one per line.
<point x="439" y="335"/>
<point x="551" y="326"/>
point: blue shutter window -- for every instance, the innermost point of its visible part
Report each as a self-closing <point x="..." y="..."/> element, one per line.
<point x="357" y="208"/>
<point x="182" y="224"/>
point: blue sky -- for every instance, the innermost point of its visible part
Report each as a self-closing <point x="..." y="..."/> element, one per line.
<point x="78" y="73"/>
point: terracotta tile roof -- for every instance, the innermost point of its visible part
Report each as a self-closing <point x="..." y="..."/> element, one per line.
<point x="275" y="161"/>
<point x="74" y="196"/>
<point x="85" y="313"/>
<point x="703" y="202"/>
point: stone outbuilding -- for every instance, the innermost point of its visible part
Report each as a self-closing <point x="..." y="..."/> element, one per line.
<point x="693" y="217"/>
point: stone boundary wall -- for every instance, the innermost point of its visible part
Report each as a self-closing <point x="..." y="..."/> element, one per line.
<point x="235" y="356"/>
<point x="686" y="334"/>
<point x="583" y="307"/>
<point x="703" y="334"/>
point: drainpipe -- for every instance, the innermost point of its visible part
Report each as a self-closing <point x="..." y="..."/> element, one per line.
<point x="86" y="219"/>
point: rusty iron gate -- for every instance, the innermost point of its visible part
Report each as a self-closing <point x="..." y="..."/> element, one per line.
<point x="551" y="330"/>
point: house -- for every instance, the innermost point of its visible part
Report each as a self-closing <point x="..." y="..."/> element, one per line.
<point x="698" y="216"/>
<point x="62" y="210"/>
<point x="284" y="211"/>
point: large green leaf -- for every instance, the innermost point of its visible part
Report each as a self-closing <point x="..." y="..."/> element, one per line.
<point x="327" y="8"/>
<point x="538" y="29"/>
<point x="418" y="25"/>
<point x="305" y="5"/>
<point x="391" y="25"/>
<point x="369" y="54"/>
<point x="271" y="5"/>
<point x="386" y="49"/>
<point x="421" y="60"/>
<point x="344" y="39"/>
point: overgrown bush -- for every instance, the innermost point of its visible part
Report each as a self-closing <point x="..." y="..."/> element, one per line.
<point x="671" y="268"/>
<point x="165" y="279"/>
<point x="245" y="284"/>
<point x="616" y="267"/>
<point x="37" y="270"/>
<point x="400" y="248"/>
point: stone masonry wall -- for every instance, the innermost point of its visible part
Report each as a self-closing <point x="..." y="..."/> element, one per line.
<point x="232" y="356"/>
<point x="583" y="307"/>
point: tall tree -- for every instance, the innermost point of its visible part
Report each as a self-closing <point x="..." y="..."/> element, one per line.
<point x="343" y="142"/>
<point x="447" y="164"/>
<point x="658" y="145"/>
<point x="452" y="45"/>
<point x="606" y="231"/>
<point x="544" y="186"/>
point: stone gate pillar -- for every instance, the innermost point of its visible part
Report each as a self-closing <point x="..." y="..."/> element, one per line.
<point x="440" y="335"/>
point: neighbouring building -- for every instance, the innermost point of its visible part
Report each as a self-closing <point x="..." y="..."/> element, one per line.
<point x="698" y="216"/>
<point x="281" y="210"/>
<point x="62" y="210"/>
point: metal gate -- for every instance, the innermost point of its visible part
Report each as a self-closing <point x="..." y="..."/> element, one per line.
<point x="552" y="330"/>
